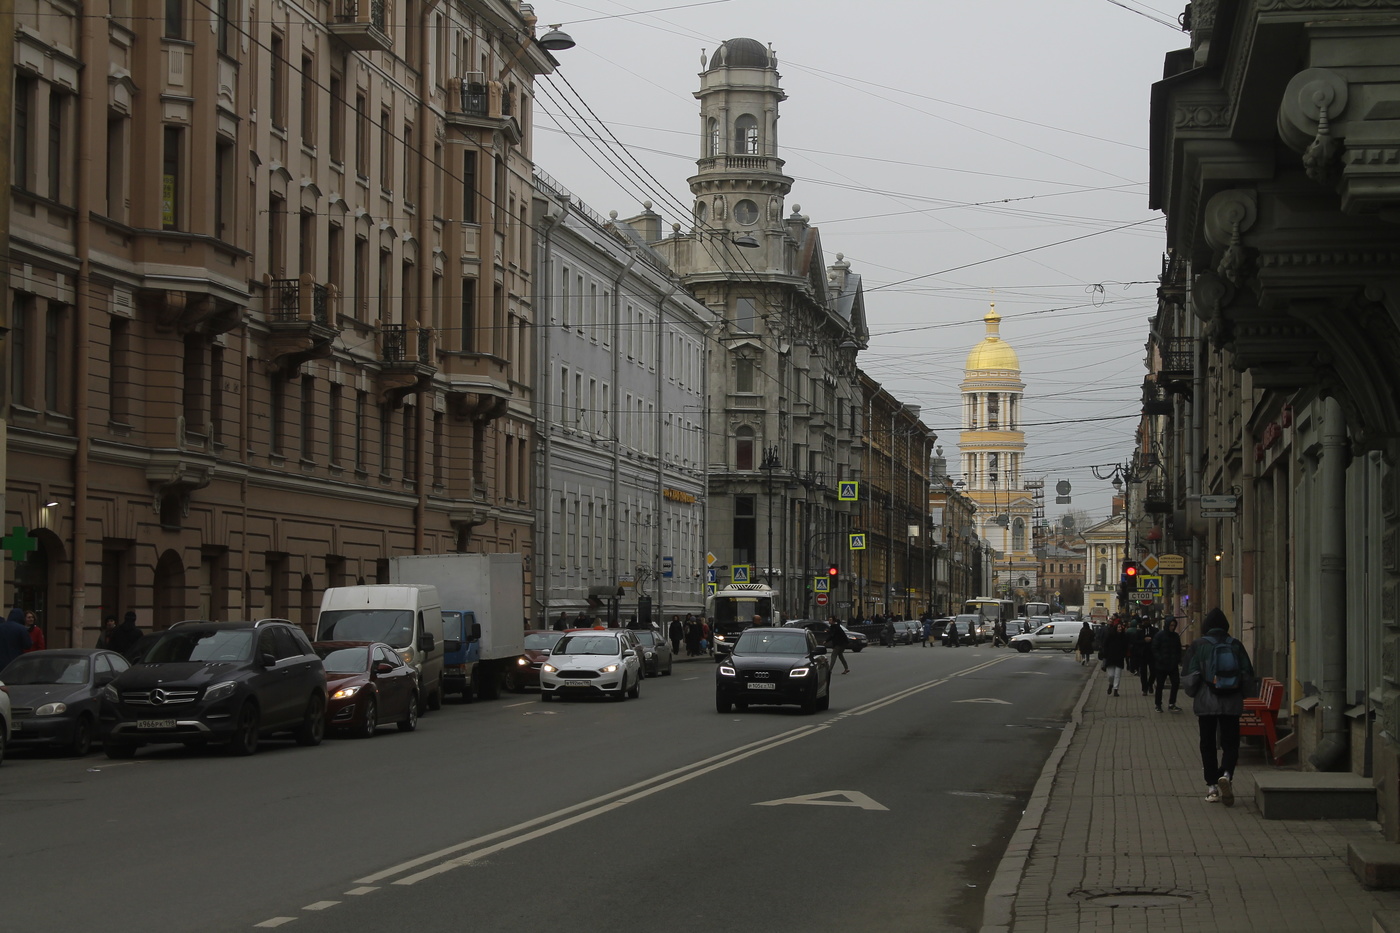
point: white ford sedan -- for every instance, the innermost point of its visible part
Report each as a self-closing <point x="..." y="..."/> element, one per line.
<point x="591" y="662"/>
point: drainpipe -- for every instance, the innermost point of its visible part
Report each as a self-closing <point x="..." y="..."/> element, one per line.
<point x="662" y="298"/>
<point x="617" y="394"/>
<point x="1332" y="611"/>
<point x="544" y="395"/>
<point x="82" y="302"/>
<point x="424" y="270"/>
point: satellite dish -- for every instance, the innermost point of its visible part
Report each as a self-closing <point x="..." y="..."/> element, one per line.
<point x="1062" y="487"/>
<point x="1067" y="521"/>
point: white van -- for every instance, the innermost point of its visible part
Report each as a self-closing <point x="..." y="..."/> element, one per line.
<point x="405" y="616"/>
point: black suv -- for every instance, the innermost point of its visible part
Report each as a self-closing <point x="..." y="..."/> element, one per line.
<point x="231" y="682"/>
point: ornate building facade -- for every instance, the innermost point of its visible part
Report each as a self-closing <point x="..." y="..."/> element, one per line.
<point x="784" y="403"/>
<point x="992" y="446"/>
<point x="273" y="303"/>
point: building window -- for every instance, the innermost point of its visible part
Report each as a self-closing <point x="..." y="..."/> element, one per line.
<point x="276" y="236"/>
<point x="744" y="375"/>
<point x="993" y="410"/>
<point x="308" y="417"/>
<point x="386" y="152"/>
<point x="335" y="259"/>
<point x="308" y="101"/>
<point x="54" y="323"/>
<point x="306" y="233"/>
<point x="360" y="307"/>
<point x="58" y="105"/>
<point x="744" y="315"/>
<point x="223" y="27"/>
<point x="714" y="144"/>
<point x="337" y="119"/>
<point x="744" y="449"/>
<point x="277" y="83"/>
<point x="361" y="136"/>
<point x="746" y="135"/>
<point x="196" y="388"/>
<point x="333" y="424"/>
<point x="172" y="178"/>
<point x="119" y="367"/>
<point x="357" y="436"/>
<point x="384" y="437"/>
<point x="469" y="186"/>
<point x="439" y="450"/>
<point x="223" y="190"/>
<point x="386" y="278"/>
<point x="410" y="165"/>
<point x="174" y="19"/>
<point x="1018" y="535"/>
<point x="276" y="411"/>
<point x="216" y="394"/>
<point x="23" y="129"/>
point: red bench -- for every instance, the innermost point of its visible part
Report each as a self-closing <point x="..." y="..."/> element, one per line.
<point x="1261" y="714"/>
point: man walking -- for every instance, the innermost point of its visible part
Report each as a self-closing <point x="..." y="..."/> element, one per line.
<point x="1114" y="650"/>
<point x="1218" y="676"/>
<point x="836" y="640"/>
<point x="1166" y="660"/>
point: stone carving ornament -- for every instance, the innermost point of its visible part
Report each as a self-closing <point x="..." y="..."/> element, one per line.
<point x="1229" y="214"/>
<point x="1313" y="99"/>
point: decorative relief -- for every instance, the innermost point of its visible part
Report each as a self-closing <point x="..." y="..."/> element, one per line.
<point x="1202" y="116"/>
<point x="1270" y="6"/>
<point x="1328" y="258"/>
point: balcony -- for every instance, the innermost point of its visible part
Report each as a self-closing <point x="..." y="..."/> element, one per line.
<point x="484" y="104"/>
<point x="1173" y="281"/>
<point x="1155" y="500"/>
<point x="362" y="25"/>
<point x="1178" y="353"/>
<point x="406" y="361"/>
<point x="1155" y="398"/>
<point x="741" y="163"/>
<point x="478" y="385"/>
<point x="299" y="312"/>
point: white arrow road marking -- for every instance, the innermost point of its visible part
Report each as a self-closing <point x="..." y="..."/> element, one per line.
<point x="854" y="798"/>
<point x="985" y="700"/>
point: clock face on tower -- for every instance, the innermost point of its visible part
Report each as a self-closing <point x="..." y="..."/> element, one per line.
<point x="746" y="212"/>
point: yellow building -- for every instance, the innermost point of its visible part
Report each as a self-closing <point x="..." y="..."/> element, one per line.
<point x="992" y="446"/>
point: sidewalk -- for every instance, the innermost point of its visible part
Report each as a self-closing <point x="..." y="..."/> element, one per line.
<point x="1120" y="811"/>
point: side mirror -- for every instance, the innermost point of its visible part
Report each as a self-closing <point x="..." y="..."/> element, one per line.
<point x="267" y="659"/>
<point x="820" y="649"/>
<point x="451" y="645"/>
<point x="426" y="642"/>
<point x="384" y="667"/>
<point x="104" y="678"/>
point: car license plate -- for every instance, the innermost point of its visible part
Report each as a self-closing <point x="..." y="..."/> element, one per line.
<point x="758" y="686"/>
<point x="576" y="683"/>
<point x="155" y="724"/>
<point x="17" y="726"/>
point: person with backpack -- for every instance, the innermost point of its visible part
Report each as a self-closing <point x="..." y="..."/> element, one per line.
<point x="1217" y="675"/>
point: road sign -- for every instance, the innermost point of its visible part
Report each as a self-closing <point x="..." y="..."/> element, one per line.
<point x="626" y="579"/>
<point x="711" y="575"/>
<point x="710" y="559"/>
<point x="1218" y="513"/>
<point x="1150" y="563"/>
<point x="1149" y="582"/>
<point x="742" y="573"/>
<point x="668" y="567"/>
<point x="1144" y="599"/>
<point x="848" y="491"/>
<point x="1171" y="565"/>
<point x="858" y="542"/>
<point x="1219" y="502"/>
<point x="821" y="599"/>
<point x="710" y="588"/>
<point x="821" y="584"/>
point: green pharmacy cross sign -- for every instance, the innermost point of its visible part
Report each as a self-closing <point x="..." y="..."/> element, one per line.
<point x="19" y="543"/>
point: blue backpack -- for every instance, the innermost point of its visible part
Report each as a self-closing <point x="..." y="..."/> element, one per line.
<point x="1222" y="669"/>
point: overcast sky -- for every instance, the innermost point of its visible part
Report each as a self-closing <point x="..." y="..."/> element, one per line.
<point x="931" y="141"/>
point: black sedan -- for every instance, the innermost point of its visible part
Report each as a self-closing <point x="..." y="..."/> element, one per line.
<point x="773" y="667"/>
<point x="55" y="696"/>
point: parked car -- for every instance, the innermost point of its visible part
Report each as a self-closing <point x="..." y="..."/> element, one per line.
<point x="908" y="632"/>
<point x="1060" y="635"/>
<point x="592" y="662"/>
<point x="656" y="653"/>
<point x="55" y="696"/>
<point x="4" y="720"/>
<point x="231" y="682"/>
<point x="774" y="666"/>
<point x="369" y="685"/>
<point x="1016" y="627"/>
<point x="538" y="645"/>
<point x="855" y="641"/>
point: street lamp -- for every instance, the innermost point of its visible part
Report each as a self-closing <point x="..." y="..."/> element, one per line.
<point x="769" y="464"/>
<point x="1122" y="477"/>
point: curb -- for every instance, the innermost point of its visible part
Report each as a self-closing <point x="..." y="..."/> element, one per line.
<point x="998" y="906"/>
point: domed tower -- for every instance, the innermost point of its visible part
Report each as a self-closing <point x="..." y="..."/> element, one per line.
<point x="740" y="185"/>
<point x="992" y="446"/>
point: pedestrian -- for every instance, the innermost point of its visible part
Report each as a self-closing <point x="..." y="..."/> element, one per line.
<point x="759" y="621"/>
<point x="706" y="643"/>
<point x="676" y="633"/>
<point x="999" y="635"/>
<point x="1084" y="647"/>
<point x="1166" y="661"/>
<point x="1113" y="653"/>
<point x="692" y="638"/>
<point x="1218" y="675"/>
<point x="124" y="636"/>
<point x="1142" y="647"/>
<point x="36" y="634"/>
<point x="837" y="641"/>
<point x="928" y="629"/>
<point x="561" y="624"/>
<point x="14" y="637"/>
<point x="109" y="623"/>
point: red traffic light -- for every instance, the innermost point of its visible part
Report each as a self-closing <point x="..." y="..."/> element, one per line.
<point x="832" y="571"/>
<point x="1131" y="570"/>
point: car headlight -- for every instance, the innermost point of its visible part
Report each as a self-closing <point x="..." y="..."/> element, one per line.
<point x="110" y="693"/>
<point x="799" y="671"/>
<point x="719" y="638"/>
<point x="726" y="671"/>
<point x="406" y="654"/>
<point x="522" y="662"/>
<point x="346" y="692"/>
<point x="550" y="668"/>
<point x="610" y="668"/>
<point x="220" y="691"/>
<point x="650" y="655"/>
<point x="51" y="709"/>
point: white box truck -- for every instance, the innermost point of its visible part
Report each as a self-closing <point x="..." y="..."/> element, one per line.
<point x="483" y="612"/>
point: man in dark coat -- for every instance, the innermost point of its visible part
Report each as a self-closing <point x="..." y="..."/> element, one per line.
<point x="676" y="633"/>
<point x="1115" y="649"/>
<point x="837" y="641"/>
<point x="1217" y="713"/>
<point x="124" y="636"/>
<point x="14" y="637"/>
<point x="1166" y="660"/>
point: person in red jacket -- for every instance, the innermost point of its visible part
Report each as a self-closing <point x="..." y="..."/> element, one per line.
<point x="36" y="634"/>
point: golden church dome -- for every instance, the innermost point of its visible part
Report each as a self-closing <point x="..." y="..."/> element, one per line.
<point x="993" y="352"/>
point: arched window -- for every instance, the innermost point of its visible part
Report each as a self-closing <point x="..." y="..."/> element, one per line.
<point x="1018" y="535"/>
<point x="701" y="212"/>
<point x="746" y="135"/>
<point x="1103" y="574"/>
<point x="715" y="148"/>
<point x="992" y="463"/>
<point x="743" y="449"/>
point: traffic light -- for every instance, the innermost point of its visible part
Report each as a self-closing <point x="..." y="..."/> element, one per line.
<point x="832" y="573"/>
<point x="1130" y="575"/>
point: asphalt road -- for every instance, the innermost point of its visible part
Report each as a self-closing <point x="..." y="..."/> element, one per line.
<point x="889" y="811"/>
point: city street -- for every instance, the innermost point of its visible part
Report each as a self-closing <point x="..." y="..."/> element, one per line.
<point x="891" y="809"/>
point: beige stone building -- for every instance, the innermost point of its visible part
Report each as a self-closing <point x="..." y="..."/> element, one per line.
<point x="270" y="282"/>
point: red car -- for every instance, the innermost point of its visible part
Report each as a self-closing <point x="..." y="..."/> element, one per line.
<point x="369" y="686"/>
<point x="538" y="644"/>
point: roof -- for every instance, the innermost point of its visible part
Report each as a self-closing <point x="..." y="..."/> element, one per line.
<point x="992" y="353"/>
<point x="740" y="53"/>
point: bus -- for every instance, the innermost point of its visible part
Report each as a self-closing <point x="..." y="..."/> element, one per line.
<point x="990" y="610"/>
<point x="732" y="608"/>
<point x="1031" y="610"/>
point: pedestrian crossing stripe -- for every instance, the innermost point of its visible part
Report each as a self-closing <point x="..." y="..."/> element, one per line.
<point x="858" y="542"/>
<point x="848" y="491"/>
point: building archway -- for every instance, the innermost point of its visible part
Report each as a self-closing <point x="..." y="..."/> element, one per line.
<point x="34" y="578"/>
<point x="168" y="591"/>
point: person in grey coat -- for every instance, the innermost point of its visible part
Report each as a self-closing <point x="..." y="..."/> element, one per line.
<point x="1218" y="714"/>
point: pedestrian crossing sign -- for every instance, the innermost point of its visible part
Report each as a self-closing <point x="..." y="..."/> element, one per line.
<point x="711" y="588"/>
<point x="858" y="542"/>
<point x="821" y="584"/>
<point x="742" y="573"/>
<point x="848" y="491"/>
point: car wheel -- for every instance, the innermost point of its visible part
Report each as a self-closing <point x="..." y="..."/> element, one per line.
<point x="621" y="689"/>
<point x="824" y="703"/>
<point x="371" y="719"/>
<point x="669" y="665"/>
<point x="636" y="690"/>
<point x="245" y="733"/>
<point x="435" y="697"/>
<point x="512" y="683"/>
<point x="82" y="737"/>
<point x="1023" y="647"/>
<point x="119" y="749"/>
<point x="313" y="725"/>
<point x="722" y="705"/>
<point x="409" y="722"/>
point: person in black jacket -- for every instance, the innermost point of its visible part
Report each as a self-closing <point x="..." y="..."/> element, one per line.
<point x="124" y="636"/>
<point x="1166" y="661"/>
<point x="837" y="641"/>
<point x="1114" y="651"/>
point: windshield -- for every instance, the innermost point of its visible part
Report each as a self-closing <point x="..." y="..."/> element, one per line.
<point x="391" y="626"/>
<point x="46" y="670"/>
<point x="646" y="638"/>
<point x="191" y="645"/>
<point x="771" y="641"/>
<point x="587" y="644"/>
<point x="542" y="641"/>
<point x="345" y="660"/>
<point x="742" y="608"/>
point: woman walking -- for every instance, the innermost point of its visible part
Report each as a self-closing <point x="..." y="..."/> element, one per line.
<point x="1115" y="649"/>
<point x="1084" y="647"/>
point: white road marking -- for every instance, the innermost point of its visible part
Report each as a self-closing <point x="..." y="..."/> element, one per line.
<point x="986" y="700"/>
<point x="526" y="703"/>
<point x="320" y="905"/>
<point x="854" y="798"/>
<point x="973" y="793"/>
<point x="363" y="890"/>
<point x="275" y="922"/>
<point x="690" y="678"/>
<point x="540" y="712"/>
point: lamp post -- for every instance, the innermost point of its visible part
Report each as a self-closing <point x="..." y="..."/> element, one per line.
<point x="769" y="464"/>
<point x="1122" y="477"/>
